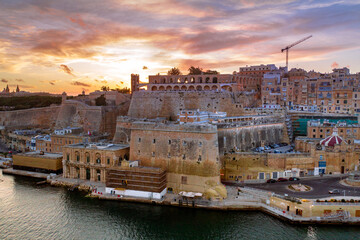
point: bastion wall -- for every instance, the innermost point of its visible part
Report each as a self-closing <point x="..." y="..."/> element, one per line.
<point x="146" y="104"/>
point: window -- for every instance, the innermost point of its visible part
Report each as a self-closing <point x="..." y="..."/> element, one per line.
<point x="183" y="180"/>
<point x="200" y="144"/>
<point x="345" y="101"/>
<point x="184" y="156"/>
<point x="154" y="140"/>
<point x="67" y="157"/>
<point x="153" y="154"/>
<point x="314" y="130"/>
<point x="169" y="155"/>
<point x="184" y="143"/>
<point x="139" y="140"/>
<point x="108" y="160"/>
<point x="169" y="141"/>
<point x="321" y="157"/>
<point x="139" y="152"/>
<point x="199" y="159"/>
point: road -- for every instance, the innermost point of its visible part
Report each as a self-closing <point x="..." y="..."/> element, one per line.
<point x="320" y="188"/>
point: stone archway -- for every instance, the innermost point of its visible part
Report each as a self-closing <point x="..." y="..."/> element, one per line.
<point x="168" y="88"/>
<point x="183" y="88"/>
<point x="191" y="88"/>
<point x="161" y="88"/>
<point x="176" y="88"/>
<point x="198" y="88"/>
<point x="154" y="88"/>
<point x="207" y="88"/>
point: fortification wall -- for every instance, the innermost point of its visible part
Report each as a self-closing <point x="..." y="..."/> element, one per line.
<point x="30" y="118"/>
<point x="168" y="104"/>
<point x="246" y="137"/>
<point x="69" y="113"/>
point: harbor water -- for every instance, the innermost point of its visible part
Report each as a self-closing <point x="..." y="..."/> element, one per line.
<point x="30" y="211"/>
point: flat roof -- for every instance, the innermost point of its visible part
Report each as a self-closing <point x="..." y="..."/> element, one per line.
<point x="99" y="146"/>
<point x="37" y="154"/>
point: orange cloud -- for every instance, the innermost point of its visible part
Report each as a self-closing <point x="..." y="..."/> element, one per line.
<point x="169" y="7"/>
<point x="334" y="65"/>
<point x="77" y="83"/>
<point x="67" y="69"/>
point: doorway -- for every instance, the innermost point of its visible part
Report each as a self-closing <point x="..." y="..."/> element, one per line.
<point x="342" y="169"/>
<point x="87" y="174"/>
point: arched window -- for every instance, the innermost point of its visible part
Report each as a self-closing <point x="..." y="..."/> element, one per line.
<point x="98" y="158"/>
<point x="87" y="155"/>
<point x="215" y="80"/>
<point x="77" y="154"/>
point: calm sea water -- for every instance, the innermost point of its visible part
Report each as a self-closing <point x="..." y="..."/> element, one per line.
<point x="28" y="211"/>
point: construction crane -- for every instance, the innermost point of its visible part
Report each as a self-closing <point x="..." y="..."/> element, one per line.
<point x="290" y="46"/>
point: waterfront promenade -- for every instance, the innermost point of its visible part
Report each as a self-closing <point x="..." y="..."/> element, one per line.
<point x="239" y="199"/>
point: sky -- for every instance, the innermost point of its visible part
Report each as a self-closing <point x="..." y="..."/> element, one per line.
<point x="76" y="45"/>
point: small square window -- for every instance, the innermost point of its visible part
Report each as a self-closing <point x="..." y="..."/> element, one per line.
<point x="183" y="180"/>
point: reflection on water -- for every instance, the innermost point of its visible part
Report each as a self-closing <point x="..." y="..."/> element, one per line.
<point x="29" y="211"/>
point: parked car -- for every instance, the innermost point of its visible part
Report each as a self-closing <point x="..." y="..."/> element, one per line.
<point x="334" y="191"/>
<point x="282" y="179"/>
<point x="271" y="181"/>
<point x="294" y="179"/>
<point x="267" y="148"/>
<point x="277" y="151"/>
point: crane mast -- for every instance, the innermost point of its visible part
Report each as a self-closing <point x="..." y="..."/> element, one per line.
<point x="292" y="45"/>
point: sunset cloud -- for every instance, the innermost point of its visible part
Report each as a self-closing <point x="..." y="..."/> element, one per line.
<point x="66" y="69"/>
<point x="42" y="40"/>
<point x="77" y="83"/>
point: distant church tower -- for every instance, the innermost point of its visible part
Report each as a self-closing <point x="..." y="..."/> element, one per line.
<point x="17" y="88"/>
<point x="63" y="97"/>
<point x="7" y="90"/>
<point x="135" y="80"/>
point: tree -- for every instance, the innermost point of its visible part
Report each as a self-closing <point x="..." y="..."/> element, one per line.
<point x="195" y="71"/>
<point x="174" y="71"/>
<point x="211" y="72"/>
<point x="105" y="88"/>
<point x="122" y="90"/>
<point x="100" y="101"/>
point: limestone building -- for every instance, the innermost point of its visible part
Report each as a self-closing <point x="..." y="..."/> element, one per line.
<point x="188" y="152"/>
<point x="38" y="162"/>
<point x="90" y="161"/>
